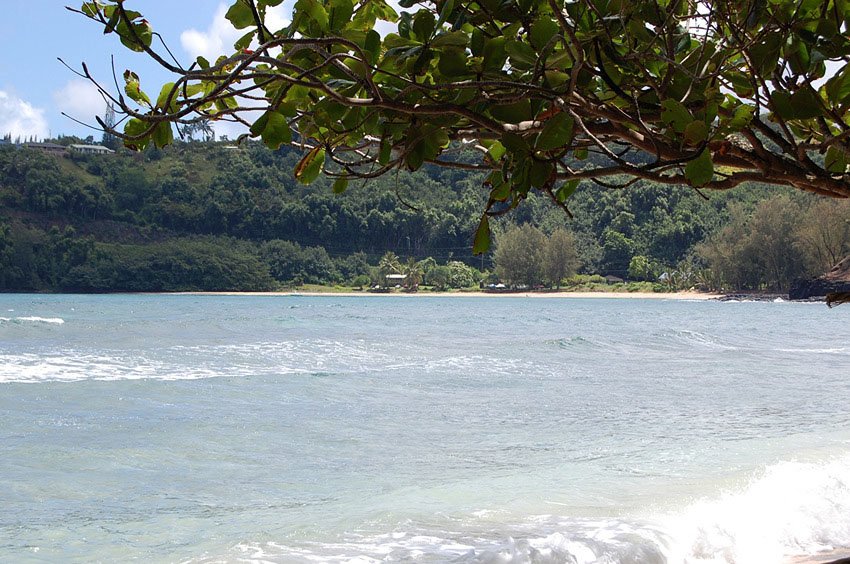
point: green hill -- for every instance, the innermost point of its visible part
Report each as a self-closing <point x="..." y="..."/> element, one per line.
<point x="209" y="216"/>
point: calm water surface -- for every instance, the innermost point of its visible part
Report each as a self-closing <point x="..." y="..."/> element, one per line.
<point x="336" y="429"/>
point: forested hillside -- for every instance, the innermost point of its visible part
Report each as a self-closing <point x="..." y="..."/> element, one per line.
<point x="211" y="216"/>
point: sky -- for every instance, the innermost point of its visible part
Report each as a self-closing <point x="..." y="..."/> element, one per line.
<point x="35" y="88"/>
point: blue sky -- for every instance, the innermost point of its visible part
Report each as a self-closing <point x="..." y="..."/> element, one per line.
<point x="34" y="86"/>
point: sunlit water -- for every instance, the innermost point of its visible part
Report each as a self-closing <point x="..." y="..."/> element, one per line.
<point x="334" y="429"/>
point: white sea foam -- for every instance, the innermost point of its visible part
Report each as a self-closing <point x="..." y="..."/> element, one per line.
<point x="832" y="350"/>
<point x="190" y="362"/>
<point x="793" y="508"/>
<point x="694" y="338"/>
<point x="790" y="509"/>
<point x="33" y="319"/>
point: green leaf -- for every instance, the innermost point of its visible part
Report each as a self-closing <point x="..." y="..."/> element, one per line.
<point x="838" y="87"/>
<point x="742" y="117"/>
<point x="423" y="25"/>
<point x="556" y="78"/>
<point x="562" y="59"/>
<point x="134" y="128"/>
<point x="501" y="191"/>
<point x="315" y="11"/>
<point x="765" y="54"/>
<point x="240" y="15"/>
<point x="340" y="185"/>
<point x="836" y="159"/>
<point x="435" y="139"/>
<point x="340" y="14"/>
<point x="260" y="124"/>
<point x="132" y="88"/>
<point x="385" y="151"/>
<point x="494" y="53"/>
<point x="696" y="132"/>
<point x="556" y="134"/>
<point x="700" y="171"/>
<point x="512" y="113"/>
<point x="273" y="128"/>
<point x="540" y="173"/>
<point x="90" y="9"/>
<point x="476" y="43"/>
<point x="542" y="31"/>
<point x="308" y="169"/>
<point x="781" y="103"/>
<point x="415" y="156"/>
<point x="522" y="53"/>
<point x="496" y="151"/>
<point x="140" y="37"/>
<point x="162" y="135"/>
<point x="452" y="62"/>
<point x="162" y="101"/>
<point x="566" y="190"/>
<point x="373" y="45"/>
<point x="481" y="244"/>
<point x="675" y="114"/>
<point x="445" y="12"/>
<point x="451" y="39"/>
<point x="802" y="104"/>
<point x="807" y="104"/>
<point x="245" y="41"/>
<point x="515" y="144"/>
<point x="113" y="21"/>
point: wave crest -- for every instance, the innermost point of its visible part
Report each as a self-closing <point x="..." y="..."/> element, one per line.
<point x="33" y="319"/>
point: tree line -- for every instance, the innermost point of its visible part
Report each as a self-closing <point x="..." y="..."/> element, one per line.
<point x="158" y="220"/>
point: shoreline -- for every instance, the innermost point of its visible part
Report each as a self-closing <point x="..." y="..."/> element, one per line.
<point x="693" y="296"/>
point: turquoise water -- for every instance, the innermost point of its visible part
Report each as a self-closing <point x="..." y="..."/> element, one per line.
<point x="337" y="429"/>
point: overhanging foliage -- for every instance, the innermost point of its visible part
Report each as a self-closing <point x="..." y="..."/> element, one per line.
<point x="551" y="92"/>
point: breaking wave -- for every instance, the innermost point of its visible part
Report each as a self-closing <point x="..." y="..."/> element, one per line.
<point x="790" y="509"/>
<point x="32" y="319"/>
<point x="192" y="362"/>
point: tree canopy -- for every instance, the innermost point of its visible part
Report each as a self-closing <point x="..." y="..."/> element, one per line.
<point x="708" y="94"/>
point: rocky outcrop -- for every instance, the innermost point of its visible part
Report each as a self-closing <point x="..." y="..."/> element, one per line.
<point x="836" y="281"/>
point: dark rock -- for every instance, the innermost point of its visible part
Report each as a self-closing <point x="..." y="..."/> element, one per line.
<point x="836" y="281"/>
<point x="753" y="297"/>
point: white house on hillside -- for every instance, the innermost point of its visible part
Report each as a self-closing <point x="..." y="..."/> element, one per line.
<point x="90" y="149"/>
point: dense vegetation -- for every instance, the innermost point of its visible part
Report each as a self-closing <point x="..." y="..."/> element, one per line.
<point x="208" y="216"/>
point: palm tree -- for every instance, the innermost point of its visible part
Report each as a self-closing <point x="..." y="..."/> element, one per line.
<point x="413" y="271"/>
<point x="389" y="264"/>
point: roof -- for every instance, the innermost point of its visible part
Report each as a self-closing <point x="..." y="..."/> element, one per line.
<point x="45" y="145"/>
<point x="95" y="147"/>
<point x="396" y="276"/>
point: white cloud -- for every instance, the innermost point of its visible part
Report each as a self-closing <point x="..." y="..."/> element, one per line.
<point x="277" y="17"/>
<point x="19" y="118"/>
<point x="81" y="100"/>
<point x="219" y="38"/>
<point x="212" y="42"/>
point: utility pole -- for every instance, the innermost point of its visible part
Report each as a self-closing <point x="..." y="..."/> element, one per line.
<point x="109" y="139"/>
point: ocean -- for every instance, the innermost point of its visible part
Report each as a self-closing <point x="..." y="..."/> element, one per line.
<point x="206" y="429"/>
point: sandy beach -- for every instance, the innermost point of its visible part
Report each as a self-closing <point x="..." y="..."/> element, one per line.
<point x="571" y="295"/>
